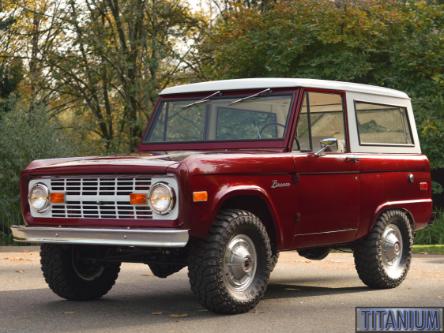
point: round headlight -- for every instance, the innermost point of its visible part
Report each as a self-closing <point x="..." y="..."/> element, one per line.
<point x="39" y="197"/>
<point x="161" y="198"/>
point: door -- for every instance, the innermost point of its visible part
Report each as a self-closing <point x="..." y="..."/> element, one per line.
<point x="328" y="183"/>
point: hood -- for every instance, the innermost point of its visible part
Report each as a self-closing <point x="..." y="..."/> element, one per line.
<point x="196" y="162"/>
<point x="108" y="164"/>
<point x="240" y="163"/>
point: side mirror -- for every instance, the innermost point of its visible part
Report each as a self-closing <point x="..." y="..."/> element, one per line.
<point x="326" y="144"/>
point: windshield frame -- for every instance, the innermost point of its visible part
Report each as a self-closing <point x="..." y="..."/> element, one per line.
<point x="277" y="143"/>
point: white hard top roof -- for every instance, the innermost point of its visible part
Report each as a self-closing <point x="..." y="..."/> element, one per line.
<point x="263" y="83"/>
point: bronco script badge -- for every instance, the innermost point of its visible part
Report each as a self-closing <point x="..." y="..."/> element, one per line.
<point x="276" y="184"/>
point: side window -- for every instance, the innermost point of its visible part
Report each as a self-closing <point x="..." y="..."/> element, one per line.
<point x="382" y="124"/>
<point x="321" y="117"/>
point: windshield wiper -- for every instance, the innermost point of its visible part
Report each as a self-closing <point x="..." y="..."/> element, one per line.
<point x="251" y="96"/>
<point x="200" y="101"/>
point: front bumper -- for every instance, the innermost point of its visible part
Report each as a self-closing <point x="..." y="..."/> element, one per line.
<point x="98" y="236"/>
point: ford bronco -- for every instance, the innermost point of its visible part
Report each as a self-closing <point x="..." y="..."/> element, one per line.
<point x="228" y="174"/>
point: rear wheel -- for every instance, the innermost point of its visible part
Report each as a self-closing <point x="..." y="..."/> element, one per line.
<point x="229" y="271"/>
<point x="71" y="275"/>
<point x="383" y="258"/>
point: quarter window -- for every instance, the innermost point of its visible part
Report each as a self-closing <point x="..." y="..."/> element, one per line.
<point x="380" y="124"/>
<point x="321" y="117"/>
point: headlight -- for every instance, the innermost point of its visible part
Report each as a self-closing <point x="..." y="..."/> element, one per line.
<point x="161" y="198"/>
<point x="39" y="197"/>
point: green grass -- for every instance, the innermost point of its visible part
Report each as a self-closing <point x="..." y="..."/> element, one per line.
<point x="432" y="234"/>
<point x="429" y="249"/>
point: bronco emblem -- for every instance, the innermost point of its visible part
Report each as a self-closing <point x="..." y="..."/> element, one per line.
<point x="276" y="184"/>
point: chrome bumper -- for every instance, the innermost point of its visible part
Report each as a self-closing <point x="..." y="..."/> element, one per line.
<point x="98" y="236"/>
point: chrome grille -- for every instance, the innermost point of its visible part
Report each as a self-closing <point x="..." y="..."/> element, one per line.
<point x="103" y="197"/>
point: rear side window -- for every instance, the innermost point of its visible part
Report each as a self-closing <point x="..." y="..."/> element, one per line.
<point x="380" y="124"/>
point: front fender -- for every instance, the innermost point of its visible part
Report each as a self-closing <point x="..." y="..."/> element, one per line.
<point x="229" y="192"/>
<point x="203" y="220"/>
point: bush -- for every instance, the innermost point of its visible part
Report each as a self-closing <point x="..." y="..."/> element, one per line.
<point x="433" y="234"/>
<point x="23" y="138"/>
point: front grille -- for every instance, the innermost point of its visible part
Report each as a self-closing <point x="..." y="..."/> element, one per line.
<point x="103" y="197"/>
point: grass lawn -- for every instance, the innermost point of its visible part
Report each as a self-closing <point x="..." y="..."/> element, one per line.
<point x="429" y="249"/>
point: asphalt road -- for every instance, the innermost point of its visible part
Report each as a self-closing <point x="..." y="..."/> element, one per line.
<point x="303" y="296"/>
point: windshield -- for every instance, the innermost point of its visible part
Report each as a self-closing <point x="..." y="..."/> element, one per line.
<point x="219" y="118"/>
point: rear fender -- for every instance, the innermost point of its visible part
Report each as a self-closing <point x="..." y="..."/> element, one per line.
<point x="418" y="210"/>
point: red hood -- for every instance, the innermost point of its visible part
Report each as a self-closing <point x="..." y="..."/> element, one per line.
<point x="108" y="164"/>
<point x="196" y="162"/>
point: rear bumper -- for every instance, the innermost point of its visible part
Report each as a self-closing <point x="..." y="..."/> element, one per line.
<point x="98" y="236"/>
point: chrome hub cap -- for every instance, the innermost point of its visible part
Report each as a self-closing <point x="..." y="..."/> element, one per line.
<point x="240" y="263"/>
<point x="392" y="251"/>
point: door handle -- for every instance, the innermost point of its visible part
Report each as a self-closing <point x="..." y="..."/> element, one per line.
<point x="352" y="159"/>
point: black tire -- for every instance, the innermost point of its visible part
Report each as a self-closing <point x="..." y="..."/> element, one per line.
<point x="206" y="263"/>
<point x="62" y="272"/>
<point x="370" y="255"/>
<point x="274" y="258"/>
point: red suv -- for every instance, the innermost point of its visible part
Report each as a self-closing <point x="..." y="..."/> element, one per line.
<point x="228" y="174"/>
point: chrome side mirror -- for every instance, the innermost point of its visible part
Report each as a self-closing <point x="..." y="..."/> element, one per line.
<point x="326" y="144"/>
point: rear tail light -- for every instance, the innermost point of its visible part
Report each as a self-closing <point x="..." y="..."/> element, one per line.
<point x="423" y="186"/>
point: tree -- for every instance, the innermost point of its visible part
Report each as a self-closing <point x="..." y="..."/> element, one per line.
<point x="120" y="54"/>
<point x="397" y="44"/>
<point x="11" y="71"/>
<point x="98" y="64"/>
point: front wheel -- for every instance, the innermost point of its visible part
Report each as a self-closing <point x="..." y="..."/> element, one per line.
<point x="229" y="271"/>
<point x="383" y="258"/>
<point x="72" y="276"/>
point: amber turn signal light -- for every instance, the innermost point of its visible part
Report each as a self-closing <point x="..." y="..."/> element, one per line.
<point x="200" y="196"/>
<point x="57" y="197"/>
<point x="138" y="198"/>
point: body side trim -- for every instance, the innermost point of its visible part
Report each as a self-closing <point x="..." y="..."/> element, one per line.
<point x="327" y="232"/>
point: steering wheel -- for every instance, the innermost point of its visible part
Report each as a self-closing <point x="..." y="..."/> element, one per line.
<point x="268" y="125"/>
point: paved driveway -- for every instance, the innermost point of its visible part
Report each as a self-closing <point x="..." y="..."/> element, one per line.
<point x="303" y="296"/>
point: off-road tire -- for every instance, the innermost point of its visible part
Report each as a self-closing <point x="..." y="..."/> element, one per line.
<point x="206" y="262"/>
<point x="368" y="252"/>
<point x="274" y="258"/>
<point x="57" y="266"/>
